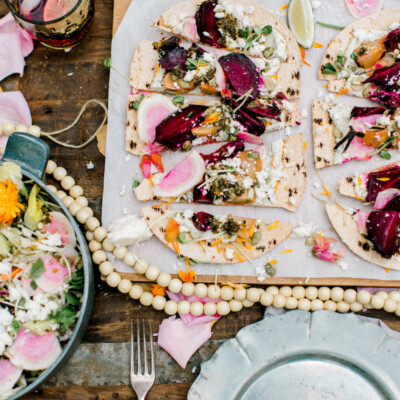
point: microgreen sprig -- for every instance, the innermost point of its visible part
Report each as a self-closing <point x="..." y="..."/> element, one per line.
<point x="108" y="64"/>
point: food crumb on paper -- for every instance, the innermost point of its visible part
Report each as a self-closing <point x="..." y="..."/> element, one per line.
<point x="89" y="165"/>
<point x="128" y="157"/>
<point x="70" y="74"/>
<point x="123" y="191"/>
<point x="194" y="369"/>
<point x="342" y="265"/>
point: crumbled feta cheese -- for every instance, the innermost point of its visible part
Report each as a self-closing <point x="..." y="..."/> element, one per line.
<point x="188" y="213"/>
<point x="189" y="75"/>
<point x="128" y="230"/>
<point x="123" y="191"/>
<point x="247" y="182"/>
<point x="304" y="230"/>
<point x="384" y="120"/>
<point x="340" y="115"/>
<point x="287" y="105"/>
<point x="304" y="113"/>
<point x="5" y="268"/>
<point x="315" y="4"/>
<point x="229" y="252"/>
<point x="53" y="240"/>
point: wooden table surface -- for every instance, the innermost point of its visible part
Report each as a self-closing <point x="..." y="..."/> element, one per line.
<point x="100" y="367"/>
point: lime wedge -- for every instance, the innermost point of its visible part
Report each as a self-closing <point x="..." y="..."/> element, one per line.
<point x="301" y="22"/>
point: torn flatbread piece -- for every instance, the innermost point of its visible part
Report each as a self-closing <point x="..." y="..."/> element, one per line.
<point x="342" y="133"/>
<point x="174" y="67"/>
<point x="217" y="239"/>
<point x="273" y="175"/>
<point x="373" y="186"/>
<point x="238" y="26"/>
<point x="372" y="236"/>
<point x="156" y="120"/>
<point x="363" y="59"/>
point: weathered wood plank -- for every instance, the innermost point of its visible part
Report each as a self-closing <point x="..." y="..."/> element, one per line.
<point x="177" y="391"/>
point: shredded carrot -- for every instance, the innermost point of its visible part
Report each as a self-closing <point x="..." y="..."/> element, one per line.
<point x="249" y="247"/>
<point x="359" y="198"/>
<point x="382" y="179"/>
<point x="338" y="205"/>
<point x="387" y="270"/>
<point x="166" y="244"/>
<point x="212" y="118"/>
<point x="175" y="245"/>
<point x="273" y="261"/>
<point x="15" y="272"/>
<point x="272" y="160"/>
<point x="157" y="290"/>
<point x="276" y="186"/>
<point x="168" y="204"/>
<point x="305" y="144"/>
<point x="158" y="67"/>
<point x="273" y="225"/>
<point x="286" y="251"/>
<point x="151" y="180"/>
<point x="238" y="239"/>
<point x="267" y="123"/>
<point x="202" y="245"/>
<point x="158" y="205"/>
<point x="317" y="45"/>
<point x="218" y="249"/>
<point x="284" y="7"/>
<point x="273" y="76"/>
<point x="217" y="241"/>
<point x="343" y="91"/>
<point x="239" y="257"/>
<point x="326" y="192"/>
<point x="303" y="55"/>
<point x="325" y="86"/>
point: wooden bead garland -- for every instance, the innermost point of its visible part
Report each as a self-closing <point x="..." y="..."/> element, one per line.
<point x="233" y="299"/>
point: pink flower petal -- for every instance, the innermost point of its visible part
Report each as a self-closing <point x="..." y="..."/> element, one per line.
<point x="13" y="107"/>
<point x="9" y="375"/>
<point x="34" y="352"/>
<point x="181" y="341"/>
<point x="15" y="44"/>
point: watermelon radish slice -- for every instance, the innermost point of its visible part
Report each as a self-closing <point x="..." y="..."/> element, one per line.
<point x="363" y="8"/>
<point x="60" y="224"/>
<point x="189" y="28"/>
<point x="385" y="197"/>
<point x="33" y="352"/>
<point x="9" y="375"/>
<point x="54" y="275"/>
<point x="393" y="204"/>
<point x="187" y="174"/>
<point x="362" y="218"/>
<point x="26" y="285"/>
<point x="152" y="111"/>
<point x="358" y="150"/>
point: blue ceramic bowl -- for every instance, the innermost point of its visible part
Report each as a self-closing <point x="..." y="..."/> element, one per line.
<point x="32" y="154"/>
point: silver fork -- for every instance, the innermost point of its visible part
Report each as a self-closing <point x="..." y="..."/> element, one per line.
<point x="141" y="382"/>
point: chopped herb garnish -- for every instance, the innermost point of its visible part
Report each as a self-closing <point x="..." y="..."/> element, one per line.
<point x="385" y="154"/>
<point x="266" y="30"/>
<point x="135" y="184"/>
<point x="134" y="105"/>
<point x="190" y="114"/>
<point x="340" y="62"/>
<point x="190" y="260"/>
<point x="66" y="317"/>
<point x="14" y="328"/>
<point x="244" y="33"/>
<point x="72" y="299"/>
<point x="178" y="100"/>
<point x="330" y="25"/>
<point x="76" y="283"/>
<point x="21" y="302"/>
<point x="329" y="69"/>
<point x="191" y="64"/>
<point x="354" y="56"/>
<point x="33" y="285"/>
<point x="37" y="269"/>
<point x="108" y="64"/>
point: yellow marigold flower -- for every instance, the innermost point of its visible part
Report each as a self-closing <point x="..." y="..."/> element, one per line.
<point x="10" y="208"/>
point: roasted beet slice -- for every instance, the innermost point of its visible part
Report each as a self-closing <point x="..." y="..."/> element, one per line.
<point x="375" y="184"/>
<point x="228" y="150"/>
<point x="383" y="229"/>
<point x="392" y="40"/>
<point x="250" y="121"/>
<point x="202" y="221"/>
<point x="202" y="195"/>
<point x="385" y="77"/>
<point x="266" y="110"/>
<point x="174" y="131"/>
<point x="241" y="73"/>
<point x="366" y="111"/>
<point x="206" y="24"/>
<point x="393" y="205"/>
<point x="391" y="99"/>
<point x="174" y="58"/>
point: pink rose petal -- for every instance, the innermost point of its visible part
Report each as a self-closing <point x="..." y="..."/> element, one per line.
<point x="15" y="44"/>
<point x="13" y="107"/>
<point x="181" y="341"/>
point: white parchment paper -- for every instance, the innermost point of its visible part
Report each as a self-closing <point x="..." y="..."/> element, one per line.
<point x="122" y="167"/>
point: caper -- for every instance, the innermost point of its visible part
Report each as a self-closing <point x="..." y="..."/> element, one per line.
<point x="187" y="145"/>
<point x="270" y="269"/>
<point x="253" y="155"/>
<point x="365" y="91"/>
<point x="183" y="84"/>
<point x="255" y="239"/>
<point x="268" y="52"/>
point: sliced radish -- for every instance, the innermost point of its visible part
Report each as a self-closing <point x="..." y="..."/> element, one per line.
<point x="249" y="138"/>
<point x="189" y="28"/>
<point x="54" y="275"/>
<point x="359" y="123"/>
<point x="9" y="375"/>
<point x="384" y="197"/>
<point x="152" y="110"/>
<point x="26" y="285"/>
<point x="358" y="150"/>
<point x="362" y="222"/>
<point x="60" y="224"/>
<point x="71" y="254"/>
<point x="221" y="82"/>
<point x="33" y="352"/>
<point x="363" y="8"/>
<point x="187" y="174"/>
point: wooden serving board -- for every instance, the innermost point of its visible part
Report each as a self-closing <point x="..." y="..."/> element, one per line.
<point x="120" y="7"/>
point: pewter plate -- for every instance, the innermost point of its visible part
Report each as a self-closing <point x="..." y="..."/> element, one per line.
<point x="303" y="356"/>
